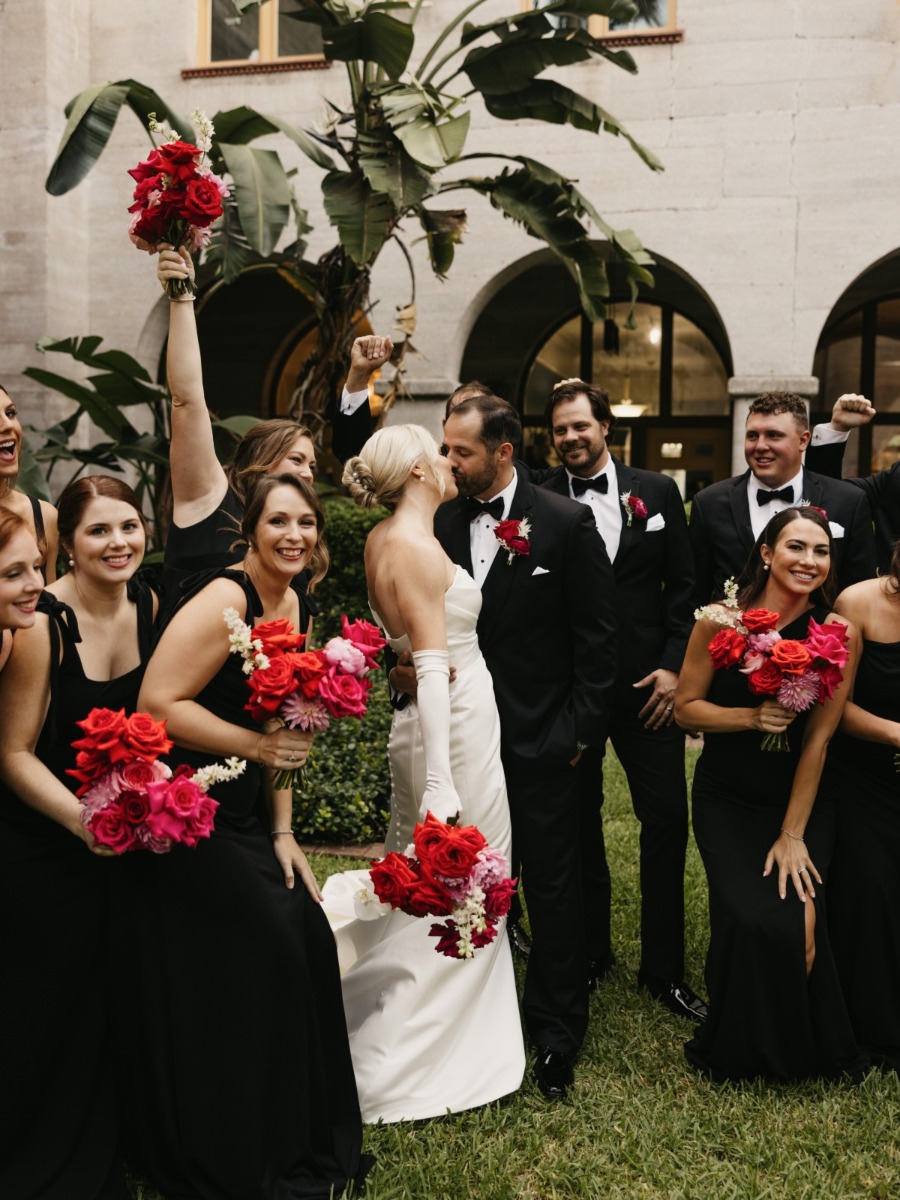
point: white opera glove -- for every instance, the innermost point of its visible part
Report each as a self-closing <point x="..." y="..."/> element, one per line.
<point x="433" y="702"/>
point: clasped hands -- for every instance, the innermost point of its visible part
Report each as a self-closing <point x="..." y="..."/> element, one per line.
<point x="402" y="675"/>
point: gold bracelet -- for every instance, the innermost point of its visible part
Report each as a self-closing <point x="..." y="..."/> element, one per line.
<point x="795" y="836"/>
<point x="278" y="832"/>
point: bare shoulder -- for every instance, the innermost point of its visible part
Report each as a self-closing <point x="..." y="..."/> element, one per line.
<point x="210" y="604"/>
<point x="48" y="512"/>
<point x="858" y="600"/>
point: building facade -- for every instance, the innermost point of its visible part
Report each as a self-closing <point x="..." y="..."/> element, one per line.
<point x="775" y="225"/>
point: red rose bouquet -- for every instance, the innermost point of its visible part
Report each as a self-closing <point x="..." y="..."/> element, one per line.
<point x="306" y="689"/>
<point x="795" y="673"/>
<point x="130" y="800"/>
<point x="176" y="196"/>
<point x="449" y="871"/>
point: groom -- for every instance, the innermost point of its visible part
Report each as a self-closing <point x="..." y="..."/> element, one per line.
<point x="547" y="631"/>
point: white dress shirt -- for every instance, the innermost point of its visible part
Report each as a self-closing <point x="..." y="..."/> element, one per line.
<point x="761" y="514"/>
<point x="482" y="542"/>
<point x="351" y="401"/>
<point x="606" y="508"/>
<point x="824" y="435"/>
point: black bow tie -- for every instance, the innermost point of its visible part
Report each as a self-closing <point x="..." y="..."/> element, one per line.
<point x="474" y="508"/>
<point x="600" y="483"/>
<point x="786" y="494"/>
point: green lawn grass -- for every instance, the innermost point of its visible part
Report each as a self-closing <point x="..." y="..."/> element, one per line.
<point x="640" y="1123"/>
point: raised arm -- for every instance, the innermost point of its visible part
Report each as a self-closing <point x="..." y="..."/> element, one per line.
<point x="198" y="480"/>
<point x="24" y="702"/>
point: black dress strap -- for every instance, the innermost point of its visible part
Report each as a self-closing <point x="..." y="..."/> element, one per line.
<point x="38" y="516"/>
<point x="64" y="636"/>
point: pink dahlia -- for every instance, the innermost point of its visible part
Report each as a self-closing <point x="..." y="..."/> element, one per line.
<point x="799" y="692"/>
<point x="300" y="712"/>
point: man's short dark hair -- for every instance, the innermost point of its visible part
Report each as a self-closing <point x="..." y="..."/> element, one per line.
<point x="598" y="398"/>
<point x="465" y="391"/>
<point x="499" y="420"/>
<point x="771" y="404"/>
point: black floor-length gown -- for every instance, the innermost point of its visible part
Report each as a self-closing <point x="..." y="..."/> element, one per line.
<point x="864" y="897"/>
<point x="59" y="1120"/>
<point x="766" y="1017"/>
<point x="240" y="1084"/>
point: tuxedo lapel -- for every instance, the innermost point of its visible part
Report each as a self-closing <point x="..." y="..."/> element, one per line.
<point x="498" y="583"/>
<point x="626" y="482"/>
<point x="740" y="512"/>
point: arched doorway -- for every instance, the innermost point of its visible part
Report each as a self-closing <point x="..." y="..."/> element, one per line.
<point x="859" y="351"/>
<point x="667" y="377"/>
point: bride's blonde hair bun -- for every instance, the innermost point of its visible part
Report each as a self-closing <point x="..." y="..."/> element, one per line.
<point x="380" y="472"/>
<point x="360" y="482"/>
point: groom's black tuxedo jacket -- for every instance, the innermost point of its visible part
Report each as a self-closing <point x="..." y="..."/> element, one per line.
<point x="547" y="627"/>
<point x="882" y="491"/>
<point x="722" y="535"/>
<point x="654" y="573"/>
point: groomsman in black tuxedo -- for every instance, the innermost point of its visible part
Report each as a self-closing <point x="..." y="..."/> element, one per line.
<point x="882" y="490"/>
<point x="547" y="630"/>
<point x="728" y="517"/>
<point x="640" y="516"/>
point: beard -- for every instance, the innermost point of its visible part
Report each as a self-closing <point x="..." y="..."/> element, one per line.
<point x="474" y="483"/>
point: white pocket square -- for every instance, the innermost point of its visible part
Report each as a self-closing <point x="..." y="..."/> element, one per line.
<point x="656" y="522"/>
<point x="540" y="571"/>
<point x="836" y="530"/>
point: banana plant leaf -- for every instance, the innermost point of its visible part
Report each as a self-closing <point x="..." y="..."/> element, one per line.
<point x="374" y="37"/>
<point x="389" y="168"/>
<point x="238" y="126"/>
<point x="262" y="192"/>
<point x="92" y="117"/>
<point x="364" y="219"/>
<point x="106" y="416"/>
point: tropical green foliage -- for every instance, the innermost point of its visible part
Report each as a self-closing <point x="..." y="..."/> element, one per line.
<point x="116" y="385"/>
<point x="385" y="155"/>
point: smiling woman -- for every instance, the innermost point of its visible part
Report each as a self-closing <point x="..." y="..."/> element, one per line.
<point x="37" y="514"/>
<point x="84" y="648"/>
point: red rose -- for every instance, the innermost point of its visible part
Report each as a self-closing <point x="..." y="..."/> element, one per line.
<point x="766" y="680"/>
<point x="270" y="686"/>
<point x="638" y="507"/>
<point x="507" y="532"/>
<point x="151" y="166"/>
<point x="278" y="636"/>
<point x="153" y="225"/>
<point x="179" y="159"/>
<point x="310" y="667"/>
<point x="366" y="637"/>
<point x="428" y="834"/>
<point x="135" y="806"/>
<point x="145" y="737"/>
<point x="110" y="828"/>
<point x="202" y="203"/>
<point x="103" y="728"/>
<point x="428" y="898"/>
<point x="153" y="183"/>
<point x="344" y="695"/>
<point x="484" y="937"/>
<point x="791" y="656"/>
<point x="393" y="878"/>
<point x="727" y="648"/>
<point x="759" y="620"/>
<point x="498" y="898"/>
<point x="454" y="855"/>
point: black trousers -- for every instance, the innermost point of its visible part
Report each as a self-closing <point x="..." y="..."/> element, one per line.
<point x="653" y="761"/>
<point x="544" y="811"/>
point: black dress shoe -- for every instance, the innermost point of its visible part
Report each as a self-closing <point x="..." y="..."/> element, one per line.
<point x="677" y="997"/>
<point x="553" y="1073"/>
<point x="518" y="939"/>
<point x="598" y="969"/>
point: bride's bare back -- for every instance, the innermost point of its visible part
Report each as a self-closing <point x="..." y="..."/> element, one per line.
<point x="407" y="574"/>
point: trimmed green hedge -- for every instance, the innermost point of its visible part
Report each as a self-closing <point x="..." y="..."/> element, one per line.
<point x="346" y="790"/>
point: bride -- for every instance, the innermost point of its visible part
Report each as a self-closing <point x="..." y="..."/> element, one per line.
<point x="428" y="1034"/>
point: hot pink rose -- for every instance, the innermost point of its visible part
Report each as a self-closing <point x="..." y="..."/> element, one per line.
<point x="831" y="677"/>
<point x="366" y="637"/>
<point x="161" y="821"/>
<point x="111" y="828"/>
<point x="828" y="642"/>
<point x="344" y="695"/>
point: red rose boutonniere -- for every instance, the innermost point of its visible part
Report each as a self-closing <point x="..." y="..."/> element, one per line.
<point x="634" y="506"/>
<point x="513" y="535"/>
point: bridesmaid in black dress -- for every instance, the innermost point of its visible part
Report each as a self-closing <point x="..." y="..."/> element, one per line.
<point x="21" y="579"/>
<point x="242" y="1085"/>
<point x="862" y="777"/>
<point x="208" y="500"/>
<point x="775" y="1003"/>
<point x="88" y="646"/>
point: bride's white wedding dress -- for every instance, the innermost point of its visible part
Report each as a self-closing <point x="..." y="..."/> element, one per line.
<point x="428" y="1033"/>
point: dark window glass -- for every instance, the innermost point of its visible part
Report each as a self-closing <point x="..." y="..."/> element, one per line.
<point x="233" y="36"/>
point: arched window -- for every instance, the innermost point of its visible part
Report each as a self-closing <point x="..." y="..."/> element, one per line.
<point x="859" y="351"/>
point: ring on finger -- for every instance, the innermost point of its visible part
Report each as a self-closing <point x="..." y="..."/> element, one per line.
<point x="802" y="869"/>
